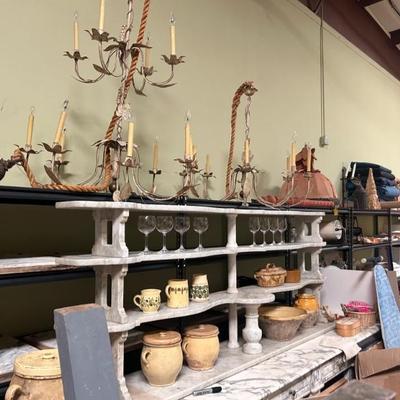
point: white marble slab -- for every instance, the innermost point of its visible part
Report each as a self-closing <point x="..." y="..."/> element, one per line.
<point x="93" y="205"/>
<point x="270" y="378"/>
<point x="10" y="348"/>
<point x="245" y="295"/>
<point x="88" y="260"/>
<point x="230" y="363"/>
<point x="27" y="264"/>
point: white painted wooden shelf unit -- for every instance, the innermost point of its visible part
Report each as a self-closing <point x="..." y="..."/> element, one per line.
<point x="110" y="258"/>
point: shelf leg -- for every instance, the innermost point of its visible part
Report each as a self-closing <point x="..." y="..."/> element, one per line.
<point x="110" y="244"/>
<point x="101" y="288"/>
<point x="252" y="333"/>
<point x="117" y="345"/>
<point x="308" y="230"/>
<point x="115" y="312"/>
<point x="233" y="342"/>
<point x="232" y="274"/>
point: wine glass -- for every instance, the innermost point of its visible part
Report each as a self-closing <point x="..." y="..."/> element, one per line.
<point x="200" y="225"/>
<point x="264" y="228"/>
<point x="273" y="227"/>
<point x="146" y="225"/>
<point x="182" y="225"/>
<point x="164" y="225"/>
<point x="282" y="226"/>
<point x="254" y="226"/>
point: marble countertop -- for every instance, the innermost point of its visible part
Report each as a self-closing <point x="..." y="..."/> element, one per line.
<point x="271" y="377"/>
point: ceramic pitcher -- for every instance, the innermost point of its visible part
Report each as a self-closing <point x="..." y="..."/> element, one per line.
<point x="199" y="289"/>
<point x="177" y="292"/>
<point x="148" y="300"/>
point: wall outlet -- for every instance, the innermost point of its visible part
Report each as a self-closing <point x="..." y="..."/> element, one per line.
<point x="323" y="141"/>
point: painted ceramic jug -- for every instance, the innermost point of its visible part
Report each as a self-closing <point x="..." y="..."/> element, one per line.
<point x="177" y="292"/>
<point x="199" y="289"/>
<point x="161" y="357"/>
<point x="201" y="346"/>
<point x="37" y="376"/>
<point x="148" y="300"/>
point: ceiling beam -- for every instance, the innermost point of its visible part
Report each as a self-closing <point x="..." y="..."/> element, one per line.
<point x="395" y="36"/>
<point x="366" y="3"/>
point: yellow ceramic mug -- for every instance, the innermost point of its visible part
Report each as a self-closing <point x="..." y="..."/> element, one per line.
<point x="307" y="302"/>
<point x="177" y="292"/>
<point x="148" y="300"/>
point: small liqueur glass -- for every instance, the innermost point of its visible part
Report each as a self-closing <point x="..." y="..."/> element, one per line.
<point x="254" y="226"/>
<point x="282" y="227"/>
<point x="200" y="225"/>
<point x="164" y="225"/>
<point x="146" y="225"/>
<point x="264" y="228"/>
<point x="182" y="225"/>
<point x="273" y="227"/>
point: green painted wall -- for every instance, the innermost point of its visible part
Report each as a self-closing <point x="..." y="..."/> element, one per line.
<point x="273" y="42"/>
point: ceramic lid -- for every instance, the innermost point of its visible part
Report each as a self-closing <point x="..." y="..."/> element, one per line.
<point x="162" y="339"/>
<point x="38" y="365"/>
<point x="306" y="296"/>
<point x="202" y="330"/>
<point x="348" y="323"/>
<point x="271" y="269"/>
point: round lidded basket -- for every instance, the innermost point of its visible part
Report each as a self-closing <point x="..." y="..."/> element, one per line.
<point x="37" y="376"/>
<point x="201" y="346"/>
<point x="161" y="357"/>
<point x="270" y="276"/>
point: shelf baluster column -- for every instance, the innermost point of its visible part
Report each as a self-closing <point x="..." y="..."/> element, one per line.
<point x="233" y="342"/>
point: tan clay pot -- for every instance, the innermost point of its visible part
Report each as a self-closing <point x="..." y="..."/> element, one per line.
<point x="307" y="302"/>
<point x="162" y="357"/>
<point x="201" y="346"/>
<point x="37" y="376"/>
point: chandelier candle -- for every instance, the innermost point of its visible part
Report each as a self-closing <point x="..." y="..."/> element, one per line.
<point x="131" y="131"/>
<point x="207" y="164"/>
<point x="188" y="146"/>
<point x="173" y="36"/>
<point x="76" y="32"/>
<point x="155" y="155"/>
<point x="101" y="16"/>
<point x="247" y="151"/>
<point x="309" y="156"/>
<point x="29" y="132"/>
<point x="147" y="54"/>
<point x="61" y="123"/>
<point x="293" y="156"/>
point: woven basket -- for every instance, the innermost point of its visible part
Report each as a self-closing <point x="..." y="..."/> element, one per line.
<point x="367" y="319"/>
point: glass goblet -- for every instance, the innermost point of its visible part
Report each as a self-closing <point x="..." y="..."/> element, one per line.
<point x="146" y="225"/>
<point x="282" y="226"/>
<point x="254" y="226"/>
<point x="273" y="227"/>
<point x="182" y="225"/>
<point x="164" y="225"/>
<point x="264" y="228"/>
<point x="200" y="225"/>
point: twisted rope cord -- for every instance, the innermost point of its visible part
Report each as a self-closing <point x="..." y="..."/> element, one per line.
<point x="109" y="133"/>
<point x="248" y="89"/>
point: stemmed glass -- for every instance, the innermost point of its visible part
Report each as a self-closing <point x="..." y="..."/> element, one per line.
<point x="273" y="227"/>
<point x="264" y="228"/>
<point x="164" y="225"/>
<point x="200" y="225"/>
<point x="254" y="226"/>
<point x="282" y="226"/>
<point x="182" y="225"/>
<point x="146" y="225"/>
